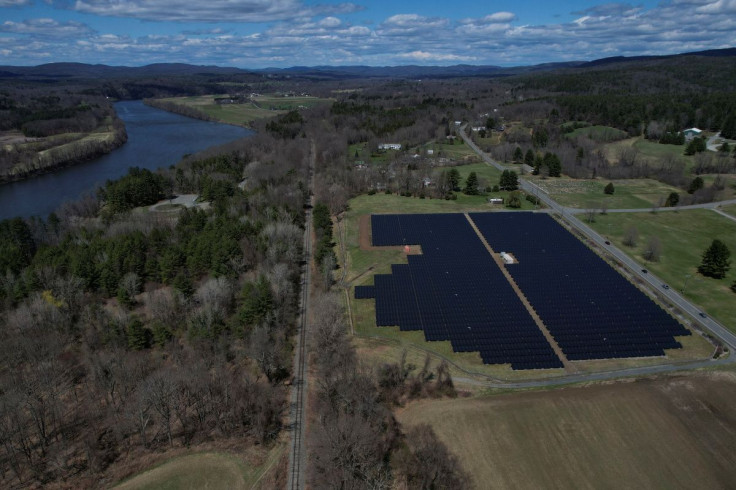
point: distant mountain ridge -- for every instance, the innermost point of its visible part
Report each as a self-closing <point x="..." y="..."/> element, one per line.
<point x="68" y="70"/>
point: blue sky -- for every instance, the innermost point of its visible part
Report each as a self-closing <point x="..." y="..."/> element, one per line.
<point x="282" y="33"/>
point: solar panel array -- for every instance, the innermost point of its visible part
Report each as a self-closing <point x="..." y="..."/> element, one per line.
<point x="591" y="310"/>
<point x="365" y="292"/>
<point x="454" y="291"/>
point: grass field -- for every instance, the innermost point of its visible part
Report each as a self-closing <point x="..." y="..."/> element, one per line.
<point x="651" y="151"/>
<point x="601" y="134"/>
<point x="586" y="193"/>
<point x="668" y="433"/>
<point x="243" y="114"/>
<point x="684" y="236"/>
<point x="204" y="470"/>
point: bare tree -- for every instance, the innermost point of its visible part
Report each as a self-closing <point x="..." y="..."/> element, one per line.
<point x="653" y="250"/>
<point x="631" y="237"/>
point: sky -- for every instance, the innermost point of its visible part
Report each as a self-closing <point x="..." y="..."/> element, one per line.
<point x="284" y="33"/>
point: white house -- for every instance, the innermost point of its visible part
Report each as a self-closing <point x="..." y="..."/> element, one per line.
<point x="430" y="152"/>
<point x="691" y="133"/>
<point x="389" y="146"/>
<point x="495" y="200"/>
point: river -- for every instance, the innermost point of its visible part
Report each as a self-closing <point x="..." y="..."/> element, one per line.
<point x="156" y="139"/>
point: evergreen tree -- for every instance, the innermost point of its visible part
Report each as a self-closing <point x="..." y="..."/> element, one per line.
<point x="715" y="260"/>
<point x="553" y="163"/>
<point x="453" y="179"/>
<point x="518" y="155"/>
<point x="509" y="181"/>
<point x="529" y="157"/>
<point x="138" y="336"/>
<point x="696" y="184"/>
<point x="672" y="200"/>
<point x="609" y="189"/>
<point x="471" y="185"/>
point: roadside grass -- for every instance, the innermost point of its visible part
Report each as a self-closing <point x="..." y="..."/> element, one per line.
<point x="665" y="432"/>
<point x="684" y="236"/>
<point x="730" y="209"/>
<point x="211" y="470"/>
<point x="588" y="194"/>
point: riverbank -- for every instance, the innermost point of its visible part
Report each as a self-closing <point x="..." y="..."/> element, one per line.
<point x="43" y="155"/>
<point x="156" y="139"/>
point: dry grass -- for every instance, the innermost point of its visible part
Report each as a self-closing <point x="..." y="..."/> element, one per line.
<point x="210" y="470"/>
<point x="673" y="432"/>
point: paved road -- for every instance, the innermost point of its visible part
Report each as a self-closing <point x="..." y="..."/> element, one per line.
<point x="707" y="205"/>
<point x="711" y="143"/>
<point x="297" y="453"/>
<point x="655" y="283"/>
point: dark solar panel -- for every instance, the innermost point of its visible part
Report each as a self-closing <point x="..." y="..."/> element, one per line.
<point x="365" y="292"/>
<point x="454" y="291"/>
<point x="592" y="311"/>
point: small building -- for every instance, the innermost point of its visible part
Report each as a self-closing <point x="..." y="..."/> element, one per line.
<point x="430" y="152"/>
<point x="458" y="123"/>
<point x="389" y="146"/>
<point x="495" y="200"/>
<point x="479" y="128"/>
<point x="691" y="133"/>
<point x="507" y="258"/>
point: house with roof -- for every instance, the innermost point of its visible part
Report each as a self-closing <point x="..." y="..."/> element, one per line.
<point x="691" y="133"/>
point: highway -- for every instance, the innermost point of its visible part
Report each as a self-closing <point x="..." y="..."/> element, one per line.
<point x="654" y="282"/>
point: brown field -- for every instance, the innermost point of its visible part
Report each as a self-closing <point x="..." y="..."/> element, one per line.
<point x="669" y="432"/>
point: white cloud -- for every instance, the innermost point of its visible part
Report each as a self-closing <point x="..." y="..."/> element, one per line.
<point x="14" y="3"/>
<point x="330" y="22"/>
<point x="46" y="28"/>
<point x="719" y="7"/>
<point x="210" y="10"/>
<point x="441" y="57"/>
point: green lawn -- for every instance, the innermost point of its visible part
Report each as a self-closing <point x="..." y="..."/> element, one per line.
<point x="684" y="236"/>
<point x="204" y="470"/>
<point x="587" y="193"/>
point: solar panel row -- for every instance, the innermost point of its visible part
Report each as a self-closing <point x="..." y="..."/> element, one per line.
<point x="454" y="291"/>
<point x="365" y="292"/>
<point x="592" y="311"/>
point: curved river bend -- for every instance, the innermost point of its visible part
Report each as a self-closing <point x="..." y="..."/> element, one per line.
<point x="155" y="139"/>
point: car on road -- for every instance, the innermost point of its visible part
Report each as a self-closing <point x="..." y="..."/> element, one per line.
<point x="644" y="271"/>
<point x="665" y="286"/>
<point x="607" y="242"/>
<point x="702" y="314"/>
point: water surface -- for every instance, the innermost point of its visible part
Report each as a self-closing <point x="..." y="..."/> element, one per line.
<point x="156" y="139"/>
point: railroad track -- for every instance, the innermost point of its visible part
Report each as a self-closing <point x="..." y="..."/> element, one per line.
<point x="297" y="454"/>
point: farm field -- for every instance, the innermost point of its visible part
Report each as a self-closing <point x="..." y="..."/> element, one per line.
<point x="671" y="432"/>
<point x="684" y="236"/>
<point x="243" y="114"/>
<point x="205" y="470"/>
<point x="586" y="193"/>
